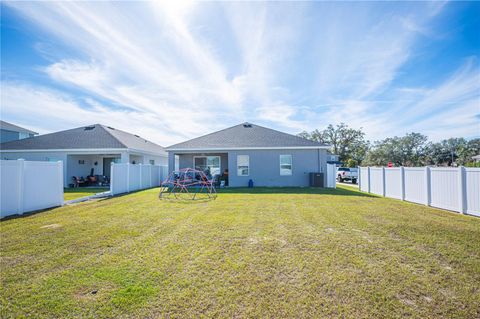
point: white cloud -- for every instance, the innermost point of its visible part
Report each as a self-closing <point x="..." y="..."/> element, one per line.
<point x="176" y="70"/>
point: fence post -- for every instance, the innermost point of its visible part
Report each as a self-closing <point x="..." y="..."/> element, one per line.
<point x="60" y="177"/>
<point x="150" y="175"/>
<point x="384" y="186"/>
<point x="128" y="177"/>
<point x="21" y="185"/>
<point x="111" y="178"/>
<point x="368" y="178"/>
<point x="141" y="176"/>
<point x="359" y="179"/>
<point x="402" y="182"/>
<point x="428" y="196"/>
<point x="461" y="190"/>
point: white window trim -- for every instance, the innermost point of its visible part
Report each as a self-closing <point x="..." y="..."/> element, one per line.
<point x="205" y="156"/>
<point x="248" y="157"/>
<point x="280" y="164"/>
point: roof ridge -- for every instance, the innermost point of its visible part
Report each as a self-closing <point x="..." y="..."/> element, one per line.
<point x="233" y="131"/>
<point x="106" y="127"/>
<point x="103" y="127"/>
<point x="271" y="129"/>
<point x="209" y="134"/>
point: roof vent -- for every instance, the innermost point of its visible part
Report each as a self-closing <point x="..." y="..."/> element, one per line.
<point x="247" y="125"/>
<point x="89" y="128"/>
<point x="137" y="135"/>
<point x="110" y="127"/>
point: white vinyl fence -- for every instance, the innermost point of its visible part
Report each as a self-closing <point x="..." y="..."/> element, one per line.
<point x="331" y="176"/>
<point x="126" y="177"/>
<point x="452" y="188"/>
<point x="30" y="185"/>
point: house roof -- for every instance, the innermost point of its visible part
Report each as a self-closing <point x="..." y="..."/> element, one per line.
<point x="15" y="128"/>
<point x="245" y="135"/>
<point x="95" y="136"/>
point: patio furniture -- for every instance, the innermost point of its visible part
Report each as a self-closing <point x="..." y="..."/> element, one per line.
<point x="78" y="181"/>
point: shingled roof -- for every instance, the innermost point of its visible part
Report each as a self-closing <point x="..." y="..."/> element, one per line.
<point x="245" y="135"/>
<point x="95" y="136"/>
<point x="14" y="128"/>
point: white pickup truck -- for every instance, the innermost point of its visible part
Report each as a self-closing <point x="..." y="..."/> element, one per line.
<point x="347" y="174"/>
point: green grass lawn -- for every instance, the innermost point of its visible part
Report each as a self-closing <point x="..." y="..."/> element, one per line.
<point x="73" y="193"/>
<point x="271" y="253"/>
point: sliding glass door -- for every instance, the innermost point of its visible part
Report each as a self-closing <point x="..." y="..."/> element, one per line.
<point x="207" y="163"/>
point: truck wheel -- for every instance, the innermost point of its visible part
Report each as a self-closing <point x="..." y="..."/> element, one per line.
<point x="354" y="181"/>
<point x="339" y="179"/>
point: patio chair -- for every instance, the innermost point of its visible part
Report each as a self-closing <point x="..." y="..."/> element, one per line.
<point x="77" y="181"/>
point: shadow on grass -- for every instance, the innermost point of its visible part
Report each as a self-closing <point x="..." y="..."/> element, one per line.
<point x="294" y="190"/>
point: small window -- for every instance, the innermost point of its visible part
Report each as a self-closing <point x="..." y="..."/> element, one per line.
<point x="81" y="162"/>
<point x="152" y="162"/>
<point x="285" y="165"/>
<point x="243" y="165"/>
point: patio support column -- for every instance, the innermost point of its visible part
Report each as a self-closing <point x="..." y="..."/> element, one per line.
<point x="125" y="157"/>
<point x="171" y="162"/>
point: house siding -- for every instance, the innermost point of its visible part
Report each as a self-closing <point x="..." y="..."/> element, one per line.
<point x="264" y="167"/>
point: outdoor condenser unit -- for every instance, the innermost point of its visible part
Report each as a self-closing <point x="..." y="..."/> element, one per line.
<point x="316" y="179"/>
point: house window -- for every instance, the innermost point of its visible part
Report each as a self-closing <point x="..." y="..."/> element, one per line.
<point x="209" y="164"/>
<point x="243" y="165"/>
<point x="285" y="165"/>
<point x="81" y="162"/>
<point x="152" y="162"/>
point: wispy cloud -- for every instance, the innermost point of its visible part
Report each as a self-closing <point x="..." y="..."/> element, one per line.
<point x="174" y="70"/>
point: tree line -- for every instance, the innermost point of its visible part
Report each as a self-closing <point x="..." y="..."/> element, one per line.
<point x="413" y="149"/>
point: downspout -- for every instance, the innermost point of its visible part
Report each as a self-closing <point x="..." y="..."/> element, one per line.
<point x="319" y="166"/>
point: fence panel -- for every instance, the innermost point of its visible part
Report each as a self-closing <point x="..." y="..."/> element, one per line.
<point x="444" y="187"/>
<point x="156" y="178"/>
<point x="134" y="178"/>
<point x="119" y="178"/>
<point x="376" y="180"/>
<point x="43" y="185"/>
<point x="364" y="179"/>
<point x="10" y="173"/>
<point x="472" y="186"/>
<point x="331" y="178"/>
<point x="163" y="173"/>
<point x="415" y="185"/>
<point x="456" y="189"/>
<point x="30" y="185"/>
<point x="126" y="177"/>
<point x="146" y="173"/>
<point x="393" y="182"/>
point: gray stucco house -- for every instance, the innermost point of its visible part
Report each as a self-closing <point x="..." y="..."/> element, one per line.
<point x="85" y="148"/>
<point x="11" y="132"/>
<point x="249" y="151"/>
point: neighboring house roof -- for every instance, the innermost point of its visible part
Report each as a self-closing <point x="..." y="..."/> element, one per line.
<point x="476" y="157"/>
<point x="95" y="136"/>
<point x="243" y="136"/>
<point x="15" y="128"/>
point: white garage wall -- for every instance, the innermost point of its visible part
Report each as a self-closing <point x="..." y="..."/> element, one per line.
<point x="30" y="185"/>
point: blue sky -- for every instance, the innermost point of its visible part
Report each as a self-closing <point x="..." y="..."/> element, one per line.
<point x="172" y="71"/>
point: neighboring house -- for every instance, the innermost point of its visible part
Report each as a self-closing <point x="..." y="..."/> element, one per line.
<point x="85" y="148"/>
<point x="476" y="158"/>
<point x="10" y="132"/>
<point x="249" y="151"/>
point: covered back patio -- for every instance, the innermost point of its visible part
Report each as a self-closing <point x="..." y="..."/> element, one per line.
<point x="212" y="164"/>
<point x="94" y="169"/>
